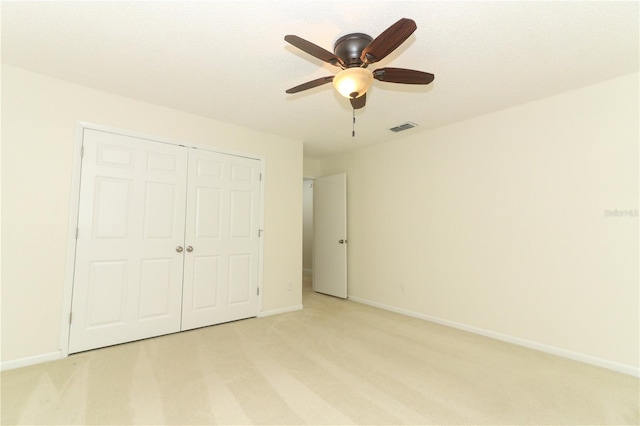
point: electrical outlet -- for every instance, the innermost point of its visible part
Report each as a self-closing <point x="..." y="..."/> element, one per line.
<point x="290" y="286"/>
<point x="402" y="287"/>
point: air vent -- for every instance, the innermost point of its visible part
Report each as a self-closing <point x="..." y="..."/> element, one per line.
<point x="404" y="126"/>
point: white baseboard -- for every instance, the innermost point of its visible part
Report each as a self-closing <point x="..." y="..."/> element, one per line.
<point x="621" y="368"/>
<point x="31" y="360"/>
<point x="52" y="356"/>
<point x="280" y="311"/>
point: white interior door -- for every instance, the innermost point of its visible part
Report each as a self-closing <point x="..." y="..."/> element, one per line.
<point x="221" y="263"/>
<point x="330" y="235"/>
<point x="128" y="274"/>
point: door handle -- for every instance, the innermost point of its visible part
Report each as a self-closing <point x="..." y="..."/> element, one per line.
<point x="342" y="241"/>
<point x="179" y="249"/>
<point x="189" y="249"/>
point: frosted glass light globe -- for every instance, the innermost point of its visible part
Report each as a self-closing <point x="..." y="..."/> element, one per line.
<point x="353" y="82"/>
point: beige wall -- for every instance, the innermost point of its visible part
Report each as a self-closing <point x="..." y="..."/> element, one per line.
<point x="497" y="223"/>
<point x="39" y="116"/>
<point x="312" y="167"/>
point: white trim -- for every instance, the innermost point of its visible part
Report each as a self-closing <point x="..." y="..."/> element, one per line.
<point x="309" y="271"/>
<point x="280" y="311"/>
<point x="156" y="138"/>
<point x="588" y="359"/>
<point x="30" y="360"/>
<point x="72" y="225"/>
<point x="74" y="206"/>
<point x="261" y="237"/>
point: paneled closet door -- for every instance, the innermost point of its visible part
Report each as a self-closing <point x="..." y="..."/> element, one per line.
<point x="129" y="253"/>
<point x="221" y="238"/>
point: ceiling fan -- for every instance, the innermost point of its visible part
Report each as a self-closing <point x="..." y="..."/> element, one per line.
<point x="354" y="53"/>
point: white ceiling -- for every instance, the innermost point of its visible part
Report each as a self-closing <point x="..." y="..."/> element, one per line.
<point x="228" y="60"/>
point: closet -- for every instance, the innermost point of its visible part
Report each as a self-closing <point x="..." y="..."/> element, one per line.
<point x="167" y="240"/>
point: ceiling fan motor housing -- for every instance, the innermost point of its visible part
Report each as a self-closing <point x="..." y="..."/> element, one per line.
<point x="349" y="48"/>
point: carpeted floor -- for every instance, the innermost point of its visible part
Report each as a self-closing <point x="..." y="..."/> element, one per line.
<point x="335" y="362"/>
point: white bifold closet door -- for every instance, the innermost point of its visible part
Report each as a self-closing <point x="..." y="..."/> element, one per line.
<point x="221" y="271"/>
<point x="167" y="240"/>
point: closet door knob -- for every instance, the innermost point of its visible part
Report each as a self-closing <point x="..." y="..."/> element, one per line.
<point x="189" y="249"/>
<point x="179" y="249"/>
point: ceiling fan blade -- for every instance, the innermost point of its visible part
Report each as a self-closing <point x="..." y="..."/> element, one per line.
<point x="401" y="75"/>
<point x="310" y="84"/>
<point x="358" y="103"/>
<point x="314" y="50"/>
<point x="388" y="41"/>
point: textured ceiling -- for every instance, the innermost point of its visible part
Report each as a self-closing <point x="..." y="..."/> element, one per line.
<point x="228" y="60"/>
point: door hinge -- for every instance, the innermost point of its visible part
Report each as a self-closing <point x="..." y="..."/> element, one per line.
<point x="82" y="152"/>
<point x="260" y="177"/>
<point x="70" y="317"/>
<point x="260" y="231"/>
<point x="258" y="291"/>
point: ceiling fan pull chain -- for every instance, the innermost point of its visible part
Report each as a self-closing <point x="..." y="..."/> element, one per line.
<point x="353" y="129"/>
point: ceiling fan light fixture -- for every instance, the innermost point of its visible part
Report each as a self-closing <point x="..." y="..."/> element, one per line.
<point x="353" y="82"/>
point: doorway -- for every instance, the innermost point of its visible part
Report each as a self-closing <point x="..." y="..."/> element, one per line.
<point x="325" y="233"/>
<point x="307" y="227"/>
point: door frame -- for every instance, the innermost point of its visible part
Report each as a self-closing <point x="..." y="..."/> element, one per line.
<point x="312" y="179"/>
<point x="74" y="209"/>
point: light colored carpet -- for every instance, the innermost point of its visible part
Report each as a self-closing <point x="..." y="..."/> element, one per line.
<point x="335" y="362"/>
